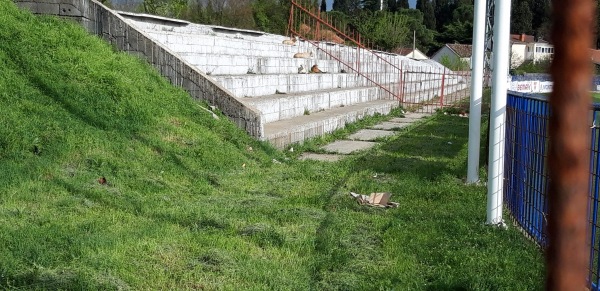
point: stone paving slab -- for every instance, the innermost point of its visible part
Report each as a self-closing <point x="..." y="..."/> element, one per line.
<point x="370" y="134"/>
<point x="320" y="157"/>
<point x="391" y="125"/>
<point x="348" y="146"/>
<point x="414" y="115"/>
<point x="403" y="120"/>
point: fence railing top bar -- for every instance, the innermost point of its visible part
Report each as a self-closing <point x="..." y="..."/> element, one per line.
<point x="540" y="97"/>
<point x="533" y="96"/>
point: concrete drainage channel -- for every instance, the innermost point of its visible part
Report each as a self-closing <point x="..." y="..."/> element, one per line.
<point x="364" y="139"/>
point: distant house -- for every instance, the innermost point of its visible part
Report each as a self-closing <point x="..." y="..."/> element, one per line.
<point x="539" y="51"/>
<point x="525" y="48"/>
<point x="413" y="54"/>
<point x="453" y="53"/>
<point x="518" y="48"/>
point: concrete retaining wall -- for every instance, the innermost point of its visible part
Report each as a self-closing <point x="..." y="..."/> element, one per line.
<point x="101" y="21"/>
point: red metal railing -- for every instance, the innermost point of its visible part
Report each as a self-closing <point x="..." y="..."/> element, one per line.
<point x="417" y="86"/>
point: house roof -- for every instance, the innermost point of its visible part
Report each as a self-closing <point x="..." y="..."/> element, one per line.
<point x="461" y="50"/>
<point x="525" y="38"/>
<point x="402" y="51"/>
<point x="406" y="51"/>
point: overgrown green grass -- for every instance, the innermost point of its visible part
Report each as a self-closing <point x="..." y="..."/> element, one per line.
<point x="191" y="202"/>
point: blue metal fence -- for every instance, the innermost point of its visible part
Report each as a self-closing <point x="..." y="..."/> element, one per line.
<point x="526" y="175"/>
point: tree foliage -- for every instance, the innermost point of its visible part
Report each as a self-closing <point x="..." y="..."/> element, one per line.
<point x="427" y="7"/>
<point x="425" y="37"/>
<point x="460" y="28"/>
<point x="349" y="7"/>
<point x="271" y="15"/>
<point x="386" y="29"/>
<point x="521" y="17"/>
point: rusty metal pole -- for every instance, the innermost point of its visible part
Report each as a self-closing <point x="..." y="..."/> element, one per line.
<point x="568" y="159"/>
<point x="291" y="20"/>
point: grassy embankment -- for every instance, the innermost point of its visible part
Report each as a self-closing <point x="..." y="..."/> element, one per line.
<point x="192" y="202"/>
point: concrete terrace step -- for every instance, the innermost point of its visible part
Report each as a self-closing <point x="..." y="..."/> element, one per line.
<point x="258" y="85"/>
<point x="226" y="64"/>
<point x="286" y="132"/>
<point x="254" y="66"/>
<point x="203" y="39"/>
<point x="185" y="41"/>
<point x="278" y="107"/>
<point x="208" y="44"/>
<point x="241" y="65"/>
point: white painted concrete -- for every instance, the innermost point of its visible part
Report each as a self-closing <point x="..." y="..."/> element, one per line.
<point x="476" y="92"/>
<point x="498" y="112"/>
<point x="258" y="69"/>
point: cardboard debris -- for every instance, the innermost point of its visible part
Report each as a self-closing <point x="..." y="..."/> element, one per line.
<point x="375" y="199"/>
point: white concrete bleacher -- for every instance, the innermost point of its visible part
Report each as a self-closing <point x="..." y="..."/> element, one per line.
<point x="261" y="71"/>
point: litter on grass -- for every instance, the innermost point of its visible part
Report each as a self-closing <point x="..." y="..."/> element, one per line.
<point x="381" y="199"/>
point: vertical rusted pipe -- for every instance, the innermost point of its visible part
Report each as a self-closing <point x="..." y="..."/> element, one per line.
<point x="291" y="20"/>
<point x="568" y="159"/>
<point x="442" y="92"/>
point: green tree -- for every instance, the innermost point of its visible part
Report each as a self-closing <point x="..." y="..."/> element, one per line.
<point x="271" y="15"/>
<point x="323" y="6"/>
<point x="428" y="9"/>
<point x="425" y="38"/>
<point x="541" y="18"/>
<point x="168" y="8"/>
<point x="460" y="29"/>
<point x="387" y="30"/>
<point x="348" y="7"/>
<point x="392" y="5"/>
<point x="521" y="17"/>
<point x="396" y="5"/>
<point x="372" y="5"/>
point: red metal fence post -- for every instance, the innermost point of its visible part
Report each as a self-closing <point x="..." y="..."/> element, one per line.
<point x="442" y="93"/>
<point x="568" y="160"/>
<point x="291" y="20"/>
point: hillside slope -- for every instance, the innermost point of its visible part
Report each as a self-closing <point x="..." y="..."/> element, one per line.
<point x="111" y="179"/>
<point x="73" y="112"/>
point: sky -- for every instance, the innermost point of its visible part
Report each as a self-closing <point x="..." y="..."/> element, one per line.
<point x="412" y="3"/>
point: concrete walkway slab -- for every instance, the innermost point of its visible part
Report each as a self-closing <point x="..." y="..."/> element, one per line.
<point x="391" y="125"/>
<point x="320" y="157"/>
<point x="370" y="134"/>
<point x="403" y="120"/>
<point x="348" y="146"/>
<point x="415" y="115"/>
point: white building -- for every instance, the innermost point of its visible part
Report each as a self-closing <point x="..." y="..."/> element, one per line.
<point x="415" y="54"/>
<point x="454" y="53"/>
<point x="539" y="51"/>
<point x="526" y="48"/>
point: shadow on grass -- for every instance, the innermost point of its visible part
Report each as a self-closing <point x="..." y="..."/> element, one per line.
<point x="427" y="150"/>
<point x="441" y="136"/>
<point x="390" y="164"/>
<point x="414" y="159"/>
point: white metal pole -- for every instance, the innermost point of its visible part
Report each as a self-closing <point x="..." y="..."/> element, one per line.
<point x="476" y="91"/>
<point x="498" y="111"/>
<point x="414" y="43"/>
